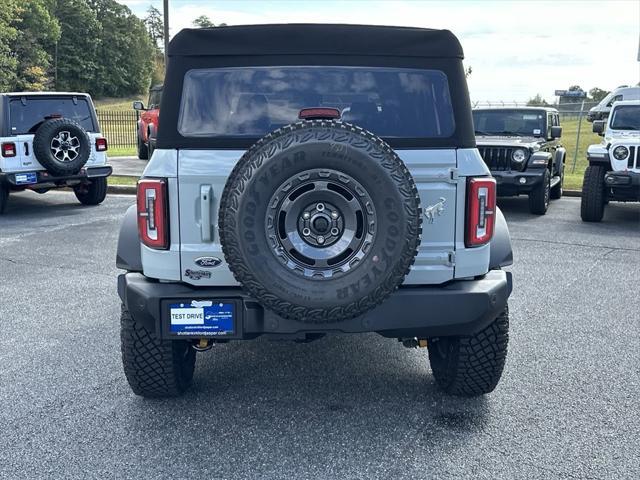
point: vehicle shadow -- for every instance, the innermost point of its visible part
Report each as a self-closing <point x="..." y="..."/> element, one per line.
<point x="26" y="204"/>
<point x="365" y="393"/>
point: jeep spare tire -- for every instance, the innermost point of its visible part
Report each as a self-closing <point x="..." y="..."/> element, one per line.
<point x="61" y="146"/>
<point x="320" y="221"/>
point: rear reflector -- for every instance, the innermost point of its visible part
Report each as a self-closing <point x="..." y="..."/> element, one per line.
<point x="319" y="113"/>
<point x="8" y="149"/>
<point x="481" y="211"/>
<point x="153" y="216"/>
<point x="101" y="144"/>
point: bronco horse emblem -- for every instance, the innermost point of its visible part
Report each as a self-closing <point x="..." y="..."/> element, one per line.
<point x="434" y="210"/>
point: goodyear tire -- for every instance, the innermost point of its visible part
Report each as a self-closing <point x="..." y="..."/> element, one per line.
<point x="92" y="193"/>
<point x="320" y="221"/>
<point x="154" y="368"/>
<point x="594" y="195"/>
<point x="61" y="146"/>
<point x="540" y="197"/>
<point x="471" y="366"/>
<point x="142" y="148"/>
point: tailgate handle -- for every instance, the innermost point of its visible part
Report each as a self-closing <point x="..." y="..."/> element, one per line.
<point x="206" y="194"/>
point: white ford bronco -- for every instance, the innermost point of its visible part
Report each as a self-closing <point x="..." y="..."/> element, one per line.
<point x="314" y="179"/>
<point x="614" y="165"/>
<point x="51" y="140"/>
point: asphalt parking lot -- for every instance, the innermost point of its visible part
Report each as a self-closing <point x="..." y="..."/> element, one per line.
<point x="357" y="407"/>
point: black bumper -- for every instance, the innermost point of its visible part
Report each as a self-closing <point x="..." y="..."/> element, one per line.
<point x="623" y="186"/>
<point x="46" y="180"/>
<point x="457" y="308"/>
<point x="514" y="183"/>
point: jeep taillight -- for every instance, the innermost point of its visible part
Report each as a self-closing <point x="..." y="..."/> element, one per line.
<point x="9" y="149"/>
<point x="153" y="215"/>
<point x="101" y="144"/>
<point x="481" y="211"/>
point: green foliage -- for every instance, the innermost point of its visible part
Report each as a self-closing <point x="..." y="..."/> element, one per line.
<point x="596" y="94"/>
<point x="38" y="31"/>
<point x="537" y="101"/>
<point x="8" y="34"/>
<point x="203" y="22"/>
<point x="155" y="25"/>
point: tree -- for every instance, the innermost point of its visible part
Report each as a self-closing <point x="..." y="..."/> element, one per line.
<point x="596" y="94"/>
<point x="467" y="72"/>
<point x="8" y="34"/>
<point x="155" y="25"/>
<point x="77" y="59"/>
<point x="203" y="22"/>
<point x="38" y="31"/>
<point x="537" y="101"/>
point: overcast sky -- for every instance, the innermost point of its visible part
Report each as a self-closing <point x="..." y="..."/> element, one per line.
<point x="516" y="49"/>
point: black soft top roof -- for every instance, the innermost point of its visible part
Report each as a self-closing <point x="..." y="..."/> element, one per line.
<point x="319" y="39"/>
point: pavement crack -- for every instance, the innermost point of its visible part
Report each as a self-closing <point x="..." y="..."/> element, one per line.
<point x="45" y="265"/>
<point x="573" y="244"/>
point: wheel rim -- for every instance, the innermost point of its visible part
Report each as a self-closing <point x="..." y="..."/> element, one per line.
<point x="320" y="223"/>
<point x="65" y="147"/>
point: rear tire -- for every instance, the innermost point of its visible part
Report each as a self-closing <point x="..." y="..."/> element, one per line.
<point x="93" y="193"/>
<point x="143" y="149"/>
<point x="4" y="198"/>
<point x="154" y="368"/>
<point x="539" y="198"/>
<point x="593" y="194"/>
<point x="471" y="366"/>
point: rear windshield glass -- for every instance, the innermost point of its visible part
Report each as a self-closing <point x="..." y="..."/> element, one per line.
<point x="626" y="117"/>
<point x="252" y="101"/>
<point x="26" y="116"/>
<point x="509" y="122"/>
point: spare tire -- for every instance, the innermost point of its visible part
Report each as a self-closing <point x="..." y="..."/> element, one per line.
<point x="320" y="221"/>
<point x="61" y="146"/>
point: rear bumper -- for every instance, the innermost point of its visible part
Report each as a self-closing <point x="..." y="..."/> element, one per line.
<point x="44" y="179"/>
<point x="457" y="308"/>
<point x="514" y="183"/>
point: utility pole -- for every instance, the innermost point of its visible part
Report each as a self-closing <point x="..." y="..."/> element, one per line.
<point x="165" y="16"/>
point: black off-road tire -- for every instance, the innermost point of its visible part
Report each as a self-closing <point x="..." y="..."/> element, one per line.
<point x="314" y="146"/>
<point x="93" y="193"/>
<point x="471" y="366"/>
<point x="154" y="368"/>
<point x="4" y="197"/>
<point x="540" y="196"/>
<point x="42" y="146"/>
<point x="142" y="148"/>
<point x="594" y="195"/>
<point x="556" y="192"/>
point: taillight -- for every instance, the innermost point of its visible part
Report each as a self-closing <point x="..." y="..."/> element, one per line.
<point x="481" y="211"/>
<point x="153" y="220"/>
<point x="101" y="144"/>
<point x="9" y="149"/>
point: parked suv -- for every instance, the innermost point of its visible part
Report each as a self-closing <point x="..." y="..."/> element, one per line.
<point x="147" y="125"/>
<point x="521" y="147"/>
<point x="312" y="179"/>
<point x="51" y="140"/>
<point x="614" y="165"/>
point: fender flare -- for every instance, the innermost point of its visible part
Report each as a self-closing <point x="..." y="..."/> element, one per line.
<point x="501" y="253"/>
<point x="540" y="156"/>
<point x="560" y="157"/>
<point x="128" y="255"/>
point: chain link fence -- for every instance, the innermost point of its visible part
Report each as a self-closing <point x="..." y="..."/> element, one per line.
<point x="119" y="127"/>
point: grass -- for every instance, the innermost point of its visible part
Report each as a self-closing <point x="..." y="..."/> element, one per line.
<point x="118" y="104"/>
<point x="573" y="180"/>
<point x="122" y="151"/>
<point x="119" y="180"/>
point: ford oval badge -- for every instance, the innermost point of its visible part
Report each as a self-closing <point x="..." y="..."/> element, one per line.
<point x="208" y="262"/>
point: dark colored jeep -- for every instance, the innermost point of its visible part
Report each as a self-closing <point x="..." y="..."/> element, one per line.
<point x="521" y="147"/>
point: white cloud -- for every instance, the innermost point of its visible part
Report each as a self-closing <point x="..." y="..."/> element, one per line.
<point x="516" y="49"/>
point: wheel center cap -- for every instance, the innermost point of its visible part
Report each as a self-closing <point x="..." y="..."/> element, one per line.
<point x="321" y="224"/>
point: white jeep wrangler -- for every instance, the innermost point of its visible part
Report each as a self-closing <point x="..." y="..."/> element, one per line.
<point x="314" y="179"/>
<point x="51" y="140"/>
<point x="614" y="165"/>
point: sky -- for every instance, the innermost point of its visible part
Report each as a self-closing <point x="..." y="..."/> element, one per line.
<point x="516" y="49"/>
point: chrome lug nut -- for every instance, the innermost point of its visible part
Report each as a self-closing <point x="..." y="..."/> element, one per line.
<point x="306" y="215"/>
<point x="320" y="207"/>
<point x="306" y="232"/>
<point x="320" y="239"/>
<point x="334" y="215"/>
<point x="334" y="231"/>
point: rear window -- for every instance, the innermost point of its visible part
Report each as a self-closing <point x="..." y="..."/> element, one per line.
<point x="26" y="114"/>
<point x="509" y="122"/>
<point x="252" y="101"/>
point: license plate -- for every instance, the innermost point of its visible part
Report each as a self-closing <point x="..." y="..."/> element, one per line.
<point x="26" y="178"/>
<point x="202" y="317"/>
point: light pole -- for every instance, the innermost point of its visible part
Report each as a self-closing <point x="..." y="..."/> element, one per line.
<point x="165" y="16"/>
